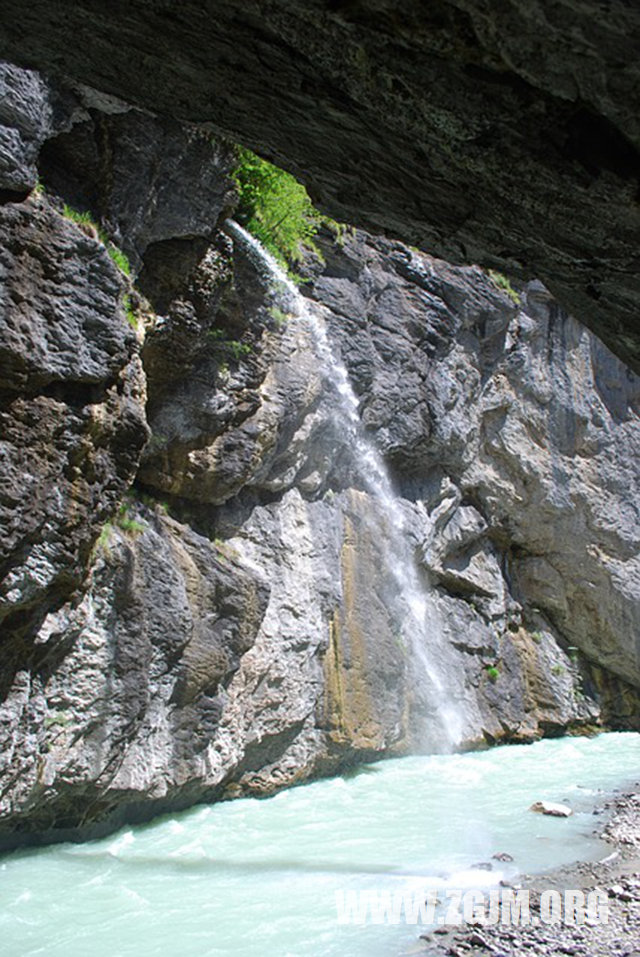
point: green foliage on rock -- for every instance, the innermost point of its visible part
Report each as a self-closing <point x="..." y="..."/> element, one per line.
<point x="129" y="312"/>
<point x="57" y="718"/>
<point x="118" y="257"/>
<point x="275" y="208"/>
<point x="124" y="520"/>
<point x="228" y="348"/>
<point x="86" y="223"/>
<point x="279" y="317"/>
<point x="504" y="285"/>
<point x="492" y="674"/>
<point x="81" y="219"/>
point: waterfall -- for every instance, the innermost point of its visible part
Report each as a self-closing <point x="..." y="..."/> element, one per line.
<point x="422" y="627"/>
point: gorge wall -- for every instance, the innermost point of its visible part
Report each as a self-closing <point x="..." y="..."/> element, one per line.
<point x="237" y="624"/>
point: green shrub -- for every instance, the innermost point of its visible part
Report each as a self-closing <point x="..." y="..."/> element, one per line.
<point x="103" y="539"/>
<point x="503" y="284"/>
<point x="57" y="718"/>
<point x="239" y="349"/>
<point x="400" y="643"/>
<point x="82" y="219"/>
<point x="229" y="348"/>
<point x="118" y="256"/>
<point x="86" y="222"/>
<point x="132" y="319"/>
<point x="151" y="502"/>
<point x="277" y="210"/>
<point x="125" y="522"/>
<point x="340" y="231"/>
<point x="492" y="674"/>
<point x="278" y="316"/>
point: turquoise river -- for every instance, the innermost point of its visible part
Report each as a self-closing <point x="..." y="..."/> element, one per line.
<point x="260" y="878"/>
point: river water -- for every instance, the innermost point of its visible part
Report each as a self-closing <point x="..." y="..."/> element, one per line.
<point x="259" y="878"/>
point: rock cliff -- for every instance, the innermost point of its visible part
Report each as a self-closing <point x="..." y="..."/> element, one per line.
<point x="263" y="536"/>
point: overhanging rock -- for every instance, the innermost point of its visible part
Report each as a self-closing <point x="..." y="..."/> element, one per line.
<point x="500" y="133"/>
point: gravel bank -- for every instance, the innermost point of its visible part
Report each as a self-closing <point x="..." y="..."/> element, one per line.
<point x="617" y="876"/>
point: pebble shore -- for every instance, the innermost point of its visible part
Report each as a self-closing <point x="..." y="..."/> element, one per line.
<point x="618" y="876"/>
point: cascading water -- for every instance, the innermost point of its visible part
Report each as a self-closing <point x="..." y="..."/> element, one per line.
<point x="421" y="629"/>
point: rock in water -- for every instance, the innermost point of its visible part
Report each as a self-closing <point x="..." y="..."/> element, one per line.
<point x="551" y="809"/>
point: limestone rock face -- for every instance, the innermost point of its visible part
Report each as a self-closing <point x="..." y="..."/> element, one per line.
<point x="505" y="134"/>
<point x="30" y="112"/>
<point x="130" y="687"/>
<point x="72" y="412"/>
<point x="204" y="364"/>
<point x="139" y="175"/>
<point x="72" y="396"/>
<point x="460" y="389"/>
<point x="516" y="430"/>
<point x="275" y="638"/>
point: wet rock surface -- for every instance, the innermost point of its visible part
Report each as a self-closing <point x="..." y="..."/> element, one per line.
<point x="458" y="383"/>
